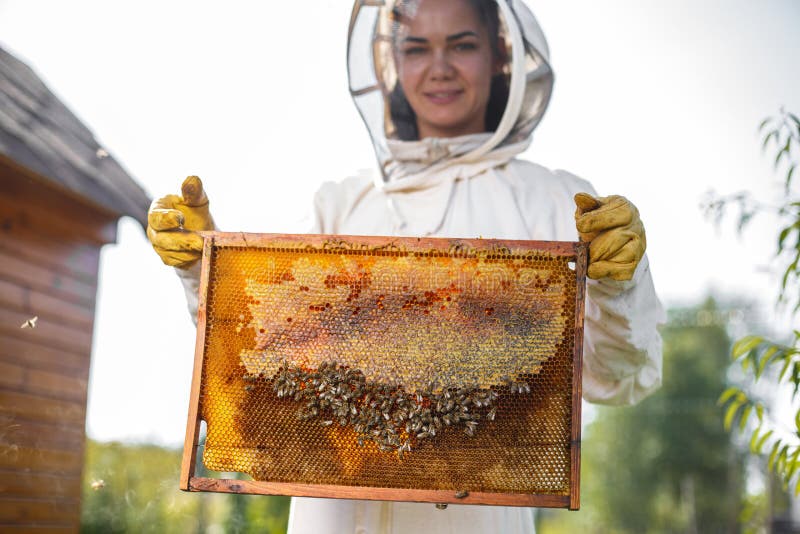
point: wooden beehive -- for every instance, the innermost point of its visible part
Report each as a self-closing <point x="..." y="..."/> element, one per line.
<point x="430" y="370"/>
<point x="61" y="195"/>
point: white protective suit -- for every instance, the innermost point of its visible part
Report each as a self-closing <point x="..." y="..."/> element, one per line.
<point x="468" y="187"/>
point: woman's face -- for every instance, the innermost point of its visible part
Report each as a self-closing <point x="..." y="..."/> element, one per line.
<point x="445" y="65"/>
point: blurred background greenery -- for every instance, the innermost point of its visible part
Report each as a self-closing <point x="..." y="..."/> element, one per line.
<point x="134" y="488"/>
<point x="667" y="464"/>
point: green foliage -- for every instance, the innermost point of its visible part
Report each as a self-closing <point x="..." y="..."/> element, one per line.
<point x="139" y="493"/>
<point x="666" y="464"/>
<point x="756" y="355"/>
<point x="759" y="357"/>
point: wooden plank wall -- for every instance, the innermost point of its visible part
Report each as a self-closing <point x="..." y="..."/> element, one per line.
<point x="49" y="255"/>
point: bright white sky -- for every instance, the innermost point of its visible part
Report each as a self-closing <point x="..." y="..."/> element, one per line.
<point x="655" y="100"/>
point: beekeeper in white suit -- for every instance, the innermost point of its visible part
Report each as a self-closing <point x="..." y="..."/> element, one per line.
<point x="451" y="91"/>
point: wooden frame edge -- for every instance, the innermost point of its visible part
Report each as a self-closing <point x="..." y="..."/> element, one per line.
<point x="190" y="445"/>
<point x="581" y="266"/>
<point x="221" y="239"/>
<point x="374" y="494"/>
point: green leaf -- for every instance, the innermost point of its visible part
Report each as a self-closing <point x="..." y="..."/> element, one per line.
<point x="745" y="345"/>
<point x="789" y="176"/>
<point x="773" y="454"/>
<point x="795" y="377"/>
<point x="797" y="421"/>
<point x="783" y="235"/>
<point x="791" y="269"/>
<point x="754" y="441"/>
<point x="792" y="464"/>
<point x="745" y="415"/>
<point x="762" y="441"/>
<point x="773" y="133"/>
<point x="765" y="359"/>
<point x="778" y="158"/>
<point x="785" y="368"/>
<point x="794" y="118"/>
<point x="764" y="123"/>
<point x="730" y="413"/>
<point x="727" y="394"/>
<point x="780" y="462"/>
<point x="760" y="412"/>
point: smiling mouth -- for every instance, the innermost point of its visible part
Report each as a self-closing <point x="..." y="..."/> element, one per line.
<point x="443" y="97"/>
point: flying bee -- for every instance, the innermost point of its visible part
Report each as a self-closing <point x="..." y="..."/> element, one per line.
<point x="97" y="485"/>
<point x="30" y="323"/>
<point x="461" y="494"/>
<point x="441" y="506"/>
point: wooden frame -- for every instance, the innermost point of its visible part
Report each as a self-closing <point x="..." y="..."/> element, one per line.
<point x="574" y="252"/>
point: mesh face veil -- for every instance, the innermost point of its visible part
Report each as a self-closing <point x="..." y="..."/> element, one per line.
<point x="373" y="78"/>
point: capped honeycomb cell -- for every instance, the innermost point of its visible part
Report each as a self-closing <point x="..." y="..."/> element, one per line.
<point x="436" y="370"/>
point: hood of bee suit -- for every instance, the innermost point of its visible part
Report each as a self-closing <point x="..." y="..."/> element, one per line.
<point x="420" y="164"/>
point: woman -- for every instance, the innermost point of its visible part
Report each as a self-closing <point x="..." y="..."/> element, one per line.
<point x="451" y="91"/>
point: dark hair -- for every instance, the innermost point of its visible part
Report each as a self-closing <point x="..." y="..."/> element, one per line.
<point x="400" y="110"/>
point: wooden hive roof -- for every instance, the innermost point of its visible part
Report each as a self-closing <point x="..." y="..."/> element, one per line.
<point x="39" y="132"/>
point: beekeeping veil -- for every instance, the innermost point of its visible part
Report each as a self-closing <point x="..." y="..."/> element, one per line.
<point x="415" y="163"/>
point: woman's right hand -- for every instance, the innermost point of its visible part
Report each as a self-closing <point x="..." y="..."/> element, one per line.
<point x="173" y="222"/>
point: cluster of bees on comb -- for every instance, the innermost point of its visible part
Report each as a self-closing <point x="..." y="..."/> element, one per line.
<point x="395" y="420"/>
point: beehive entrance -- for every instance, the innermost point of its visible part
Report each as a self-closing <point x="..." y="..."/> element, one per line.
<point x="434" y="367"/>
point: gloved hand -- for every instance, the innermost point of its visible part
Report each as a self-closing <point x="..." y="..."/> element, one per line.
<point x="615" y="234"/>
<point x="173" y="222"/>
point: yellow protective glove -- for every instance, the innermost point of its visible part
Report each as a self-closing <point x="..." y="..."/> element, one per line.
<point x="173" y="222"/>
<point x="615" y="234"/>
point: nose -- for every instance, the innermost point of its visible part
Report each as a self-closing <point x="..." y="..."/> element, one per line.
<point x="441" y="69"/>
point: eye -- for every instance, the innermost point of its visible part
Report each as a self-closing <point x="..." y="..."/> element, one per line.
<point x="414" y="51"/>
<point x="466" y="46"/>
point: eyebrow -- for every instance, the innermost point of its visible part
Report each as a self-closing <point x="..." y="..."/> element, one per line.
<point x="457" y="36"/>
<point x="449" y="38"/>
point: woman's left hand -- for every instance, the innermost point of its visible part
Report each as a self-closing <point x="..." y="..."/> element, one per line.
<point x="614" y="231"/>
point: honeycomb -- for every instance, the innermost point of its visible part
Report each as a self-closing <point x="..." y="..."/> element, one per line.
<point x="399" y="364"/>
